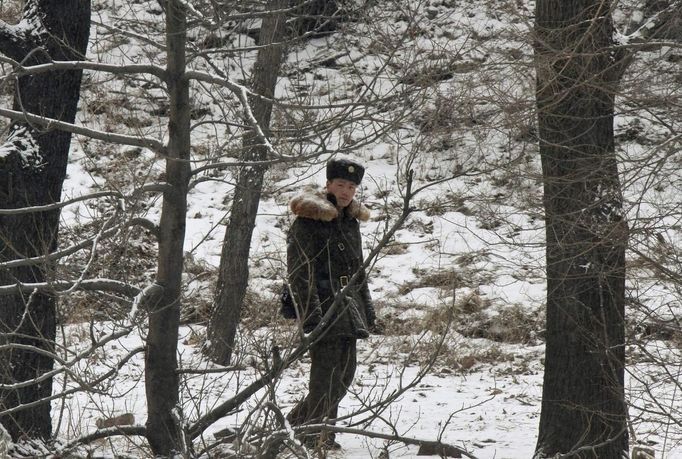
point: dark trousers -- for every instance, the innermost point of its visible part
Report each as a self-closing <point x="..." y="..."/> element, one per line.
<point x="332" y="367"/>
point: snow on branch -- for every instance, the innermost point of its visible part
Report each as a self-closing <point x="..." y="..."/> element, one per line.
<point x="237" y="88"/>
<point x="21" y="143"/>
<point x="640" y="33"/>
<point x="104" y="433"/>
<point x="190" y="8"/>
<point x="16" y="41"/>
<point x="32" y="20"/>
<point x="150" y="294"/>
<point x="11" y="42"/>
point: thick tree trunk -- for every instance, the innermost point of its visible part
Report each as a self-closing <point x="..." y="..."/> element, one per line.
<point x="161" y="377"/>
<point x="32" y="174"/>
<point x="234" y="261"/>
<point x="583" y="405"/>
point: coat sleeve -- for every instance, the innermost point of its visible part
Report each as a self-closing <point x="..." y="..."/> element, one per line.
<point x="302" y="250"/>
<point x="367" y="300"/>
<point x="366" y="296"/>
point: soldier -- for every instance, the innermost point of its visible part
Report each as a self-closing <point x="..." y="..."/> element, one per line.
<point x="324" y="250"/>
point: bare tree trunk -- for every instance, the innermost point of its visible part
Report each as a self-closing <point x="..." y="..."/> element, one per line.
<point x="583" y="407"/>
<point x="161" y="377"/>
<point x="31" y="175"/>
<point x="234" y="261"/>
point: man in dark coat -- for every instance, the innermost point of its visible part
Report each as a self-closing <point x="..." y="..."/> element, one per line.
<point x="324" y="251"/>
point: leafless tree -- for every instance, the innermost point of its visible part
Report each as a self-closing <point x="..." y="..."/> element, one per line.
<point x="234" y="261"/>
<point x="580" y="65"/>
<point x="583" y="392"/>
<point x="32" y="168"/>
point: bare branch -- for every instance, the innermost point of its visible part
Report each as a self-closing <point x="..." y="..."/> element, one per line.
<point x="199" y="371"/>
<point x="59" y="205"/>
<point x="106" y="433"/>
<point x="50" y="123"/>
<point x="236" y="89"/>
<point x="101" y="285"/>
<point x="438" y="448"/>
<point x="121" y="32"/>
<point x="150" y="69"/>
<point x="641" y="32"/>
<point x="33" y="261"/>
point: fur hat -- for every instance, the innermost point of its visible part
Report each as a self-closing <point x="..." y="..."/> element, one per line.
<point x="345" y="169"/>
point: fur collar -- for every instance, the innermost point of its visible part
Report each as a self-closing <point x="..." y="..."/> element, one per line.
<point x="315" y="205"/>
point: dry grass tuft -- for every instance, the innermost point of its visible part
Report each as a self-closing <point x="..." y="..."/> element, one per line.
<point x="457" y="360"/>
<point x="260" y="310"/>
<point x="514" y="324"/>
<point x="445" y="279"/>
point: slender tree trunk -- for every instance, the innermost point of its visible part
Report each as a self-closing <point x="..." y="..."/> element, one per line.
<point x="31" y="175"/>
<point x="161" y="378"/>
<point x="583" y="406"/>
<point x="234" y="261"/>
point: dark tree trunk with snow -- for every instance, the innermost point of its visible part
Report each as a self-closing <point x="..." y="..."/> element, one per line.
<point x="32" y="170"/>
<point x="583" y="404"/>
<point x="234" y="261"/>
<point x="164" y="429"/>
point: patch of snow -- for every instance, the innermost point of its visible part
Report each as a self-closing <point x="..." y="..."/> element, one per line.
<point x="20" y="142"/>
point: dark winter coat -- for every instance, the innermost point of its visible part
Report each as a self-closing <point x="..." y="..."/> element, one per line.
<point x="324" y="250"/>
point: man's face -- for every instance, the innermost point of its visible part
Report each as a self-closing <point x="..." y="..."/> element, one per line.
<point x="343" y="190"/>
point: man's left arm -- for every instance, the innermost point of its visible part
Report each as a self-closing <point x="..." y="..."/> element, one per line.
<point x="374" y="325"/>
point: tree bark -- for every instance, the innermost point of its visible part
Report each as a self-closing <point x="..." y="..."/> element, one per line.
<point x="583" y="406"/>
<point x="234" y="261"/>
<point x="161" y="378"/>
<point x="33" y="174"/>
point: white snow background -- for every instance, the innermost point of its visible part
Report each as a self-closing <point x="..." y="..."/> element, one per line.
<point x="484" y="393"/>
